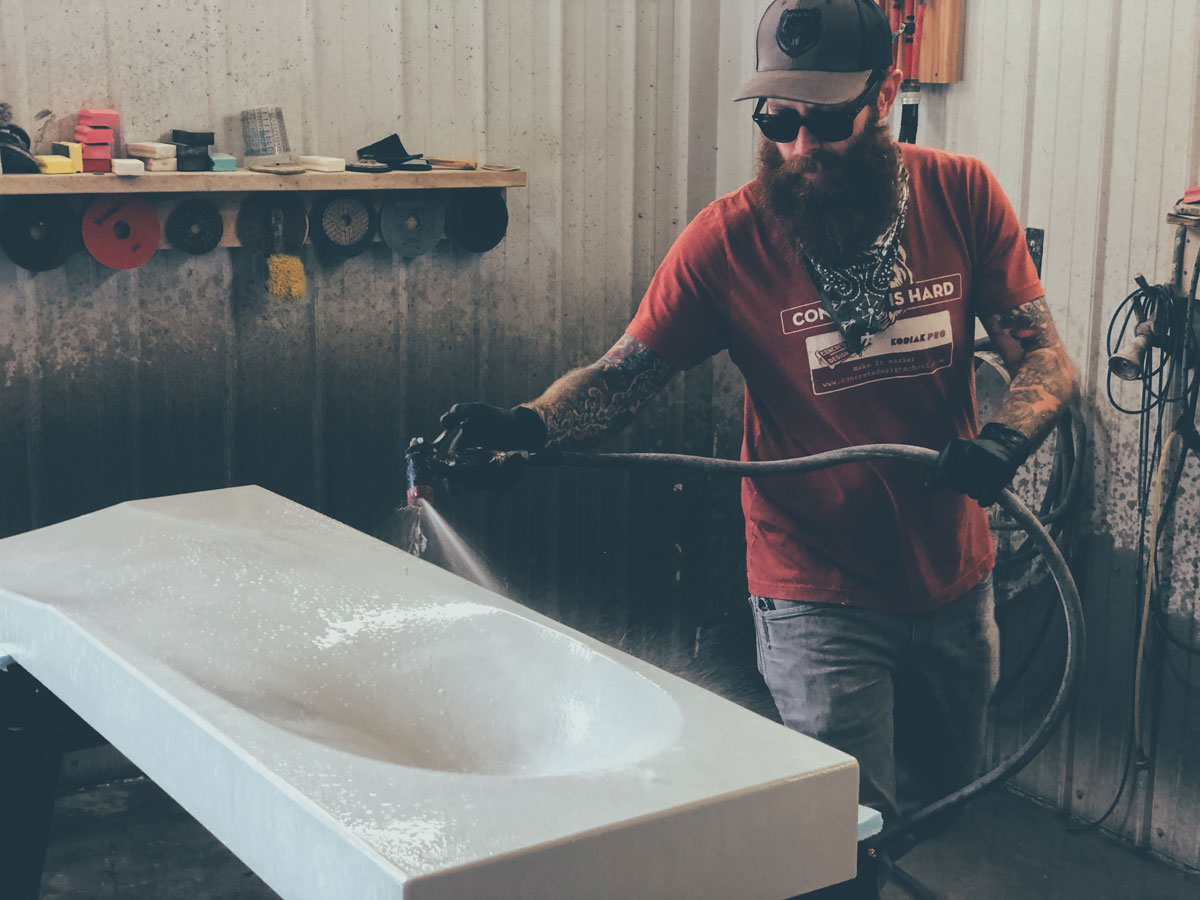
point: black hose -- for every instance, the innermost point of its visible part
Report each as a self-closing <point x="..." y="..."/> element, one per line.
<point x="1059" y="571"/>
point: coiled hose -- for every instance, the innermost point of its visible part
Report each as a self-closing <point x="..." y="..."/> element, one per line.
<point x="1025" y="519"/>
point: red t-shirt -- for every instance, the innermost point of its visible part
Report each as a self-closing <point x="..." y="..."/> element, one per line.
<point x="866" y="533"/>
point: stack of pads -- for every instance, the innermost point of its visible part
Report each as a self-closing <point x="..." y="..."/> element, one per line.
<point x="91" y="151"/>
<point x="188" y="151"/>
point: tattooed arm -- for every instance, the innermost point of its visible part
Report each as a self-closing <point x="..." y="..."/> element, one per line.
<point x="588" y="404"/>
<point x="1044" y="379"/>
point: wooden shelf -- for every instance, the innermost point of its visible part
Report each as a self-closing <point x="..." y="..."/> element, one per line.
<point x="244" y="180"/>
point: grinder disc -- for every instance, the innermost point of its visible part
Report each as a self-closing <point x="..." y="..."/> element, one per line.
<point x="412" y="223"/>
<point x="121" y="232"/>
<point x="195" y="225"/>
<point x="253" y="224"/>
<point x="39" y="233"/>
<point x="477" y="220"/>
<point x="342" y="225"/>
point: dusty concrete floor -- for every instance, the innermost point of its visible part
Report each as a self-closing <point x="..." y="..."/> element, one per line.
<point x="129" y="840"/>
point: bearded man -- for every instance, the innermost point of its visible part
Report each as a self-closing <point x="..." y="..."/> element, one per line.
<point x="844" y="281"/>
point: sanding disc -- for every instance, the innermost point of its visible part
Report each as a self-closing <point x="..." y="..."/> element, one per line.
<point x="195" y="226"/>
<point x="254" y="229"/>
<point x="121" y="232"/>
<point x="39" y="233"/>
<point x="279" y="169"/>
<point x="367" y="165"/>
<point x="342" y="224"/>
<point x="477" y="220"/>
<point x="413" y="222"/>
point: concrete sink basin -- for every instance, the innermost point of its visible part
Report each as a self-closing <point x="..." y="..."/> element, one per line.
<point x="355" y="722"/>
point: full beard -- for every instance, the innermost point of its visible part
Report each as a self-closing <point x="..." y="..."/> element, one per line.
<point x="853" y="199"/>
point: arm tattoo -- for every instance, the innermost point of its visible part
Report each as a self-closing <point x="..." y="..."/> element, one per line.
<point x="1029" y="326"/>
<point x="1044" y="379"/>
<point x="591" y="403"/>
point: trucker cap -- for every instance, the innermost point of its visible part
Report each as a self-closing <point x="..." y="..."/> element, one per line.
<point x="818" y="51"/>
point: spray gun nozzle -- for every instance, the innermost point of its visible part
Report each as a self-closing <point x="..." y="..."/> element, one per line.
<point x="422" y="469"/>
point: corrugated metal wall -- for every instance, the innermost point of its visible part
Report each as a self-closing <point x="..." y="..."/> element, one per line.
<point x="1089" y="113"/>
<point x="183" y="375"/>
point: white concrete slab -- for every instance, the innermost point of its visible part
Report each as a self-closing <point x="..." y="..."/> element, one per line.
<point x="354" y="722"/>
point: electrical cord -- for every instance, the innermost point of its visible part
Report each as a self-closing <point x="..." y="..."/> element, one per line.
<point x="1176" y="362"/>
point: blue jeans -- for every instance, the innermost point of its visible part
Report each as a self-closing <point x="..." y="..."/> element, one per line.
<point x="886" y="686"/>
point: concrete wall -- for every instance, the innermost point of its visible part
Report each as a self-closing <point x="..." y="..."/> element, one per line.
<point x="184" y="375"/>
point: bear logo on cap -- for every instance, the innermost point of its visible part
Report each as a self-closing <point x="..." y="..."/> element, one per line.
<point x="798" y="31"/>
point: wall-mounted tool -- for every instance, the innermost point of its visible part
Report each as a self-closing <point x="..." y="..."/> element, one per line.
<point x="255" y="230"/>
<point x="39" y="233"/>
<point x="275" y="225"/>
<point x="413" y="222"/>
<point x="342" y="225"/>
<point x="121" y="232"/>
<point x="195" y="226"/>
<point x="477" y="220"/>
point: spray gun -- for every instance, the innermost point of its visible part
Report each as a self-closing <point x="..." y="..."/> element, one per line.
<point x="441" y="463"/>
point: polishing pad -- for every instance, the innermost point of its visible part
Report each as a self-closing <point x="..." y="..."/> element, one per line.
<point x="103" y="118"/>
<point x="372" y="166"/>
<point x="254" y="230"/>
<point x="151" y="150"/>
<point x="53" y="164"/>
<point x="477" y="219"/>
<point x="91" y="134"/>
<point x="121" y="232"/>
<point x="195" y="225"/>
<point x="342" y="225"/>
<point x="323" y="163"/>
<point x="412" y="223"/>
<point x="39" y="233"/>
<point x="278" y="169"/>
<point x="128" y="167"/>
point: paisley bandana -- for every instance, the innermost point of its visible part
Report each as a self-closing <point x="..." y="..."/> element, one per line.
<point x="855" y="292"/>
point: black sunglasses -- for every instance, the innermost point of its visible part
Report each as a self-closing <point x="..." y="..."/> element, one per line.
<point x="828" y="124"/>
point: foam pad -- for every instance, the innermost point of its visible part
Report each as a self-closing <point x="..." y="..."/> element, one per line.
<point x="106" y="118"/>
<point x="162" y="165"/>
<point x="190" y="151"/>
<point x="53" y="164"/>
<point x="97" y="151"/>
<point x="151" y="150"/>
<point x="192" y="138"/>
<point x="323" y="163"/>
<point x="223" y="162"/>
<point x="128" y="167"/>
<point x="73" y="150"/>
<point x="97" y="165"/>
<point x="92" y="134"/>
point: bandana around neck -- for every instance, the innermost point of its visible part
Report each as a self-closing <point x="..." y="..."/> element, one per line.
<point x="855" y="291"/>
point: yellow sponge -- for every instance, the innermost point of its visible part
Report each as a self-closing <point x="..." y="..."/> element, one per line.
<point x="285" y="277"/>
<point x="52" y="164"/>
<point x="73" y="150"/>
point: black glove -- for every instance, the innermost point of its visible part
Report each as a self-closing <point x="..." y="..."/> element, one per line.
<point x="982" y="467"/>
<point x="492" y="427"/>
